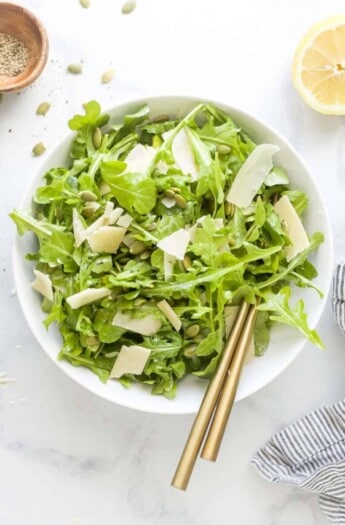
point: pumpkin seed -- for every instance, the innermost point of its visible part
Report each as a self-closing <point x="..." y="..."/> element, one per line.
<point x="87" y="196"/>
<point x="223" y="149"/>
<point x="139" y="302"/>
<point x="170" y="194"/>
<point x="97" y="138"/>
<point x="85" y="3"/>
<point x="229" y="209"/>
<point x="187" y="263"/>
<point x="75" y="69"/>
<point x="192" y="330"/>
<point x="107" y="76"/>
<point x="152" y="226"/>
<point x="128" y="7"/>
<point x="180" y="201"/>
<point x="137" y="248"/>
<point x="92" y="340"/>
<point x="176" y="190"/>
<point x="189" y="351"/>
<point x="232" y="241"/>
<point x="38" y="149"/>
<point x="145" y="255"/>
<point x="90" y="209"/>
<point x="160" y="118"/>
<point x="43" y="108"/>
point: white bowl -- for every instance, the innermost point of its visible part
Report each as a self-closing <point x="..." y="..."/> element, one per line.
<point x="285" y="342"/>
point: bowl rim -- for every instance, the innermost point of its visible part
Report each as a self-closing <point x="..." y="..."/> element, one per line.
<point x="327" y="230"/>
<point x="11" y="85"/>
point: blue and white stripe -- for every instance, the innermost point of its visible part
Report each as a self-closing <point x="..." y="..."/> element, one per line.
<point x="311" y="452"/>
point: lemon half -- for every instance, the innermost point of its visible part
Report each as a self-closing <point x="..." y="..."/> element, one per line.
<point x="318" y="70"/>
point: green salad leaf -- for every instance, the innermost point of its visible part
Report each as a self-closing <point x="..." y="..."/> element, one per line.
<point x="145" y="251"/>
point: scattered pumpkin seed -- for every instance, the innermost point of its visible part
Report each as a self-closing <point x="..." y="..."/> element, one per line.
<point x="38" y="149"/>
<point x="189" y="351"/>
<point x="43" y="108"/>
<point x="223" y="149"/>
<point x="180" y="201"/>
<point x="170" y="194"/>
<point x="160" y="118"/>
<point x="97" y="138"/>
<point x="145" y="255"/>
<point x="152" y="226"/>
<point x="107" y="76"/>
<point x="92" y="340"/>
<point x="128" y="7"/>
<point x="176" y="190"/>
<point x="85" y="3"/>
<point x="137" y="247"/>
<point x="229" y="209"/>
<point x="232" y="241"/>
<point x="139" y="302"/>
<point x="187" y="263"/>
<point x="90" y="209"/>
<point x="192" y="330"/>
<point x="75" y="69"/>
<point x="87" y="196"/>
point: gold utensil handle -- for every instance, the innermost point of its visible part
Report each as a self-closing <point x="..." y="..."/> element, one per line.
<point x="201" y="422"/>
<point x="222" y="412"/>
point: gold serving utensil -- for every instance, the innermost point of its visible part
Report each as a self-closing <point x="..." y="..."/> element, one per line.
<point x="208" y="404"/>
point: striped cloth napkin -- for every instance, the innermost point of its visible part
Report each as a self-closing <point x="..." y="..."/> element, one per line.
<point x="311" y="452"/>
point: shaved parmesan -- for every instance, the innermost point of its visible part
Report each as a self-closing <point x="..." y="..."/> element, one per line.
<point x="148" y="325"/>
<point x="251" y="175"/>
<point x="131" y="360"/>
<point x="106" y="239"/>
<point x="78" y="229"/>
<point x="169" y="262"/>
<point x="293" y="226"/>
<point x="114" y="215"/>
<point x="125" y="221"/>
<point x="168" y="203"/>
<point x="43" y="285"/>
<point x="169" y="313"/>
<point x="139" y="158"/>
<point x="175" y="244"/>
<point x="87" y="296"/>
<point x="183" y="153"/>
<point x="230" y="314"/>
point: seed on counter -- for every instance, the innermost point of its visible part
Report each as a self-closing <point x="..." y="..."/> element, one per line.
<point x="43" y="108"/>
<point x="38" y="149"/>
<point x="1" y="97"/>
<point x="107" y="76"/>
<point x="223" y="149"/>
<point x="85" y="3"/>
<point x="128" y="7"/>
<point x="192" y="330"/>
<point x="75" y="69"/>
<point x="97" y="138"/>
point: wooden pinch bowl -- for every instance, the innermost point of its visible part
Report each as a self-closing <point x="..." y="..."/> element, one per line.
<point x="17" y="21"/>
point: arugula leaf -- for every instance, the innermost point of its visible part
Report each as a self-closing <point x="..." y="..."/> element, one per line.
<point x="278" y="306"/>
<point x="58" y="249"/>
<point x="133" y="191"/>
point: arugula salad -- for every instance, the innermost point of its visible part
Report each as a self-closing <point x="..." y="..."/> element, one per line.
<point x="153" y="235"/>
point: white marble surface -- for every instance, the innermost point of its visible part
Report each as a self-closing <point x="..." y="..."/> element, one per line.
<point x="67" y="457"/>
